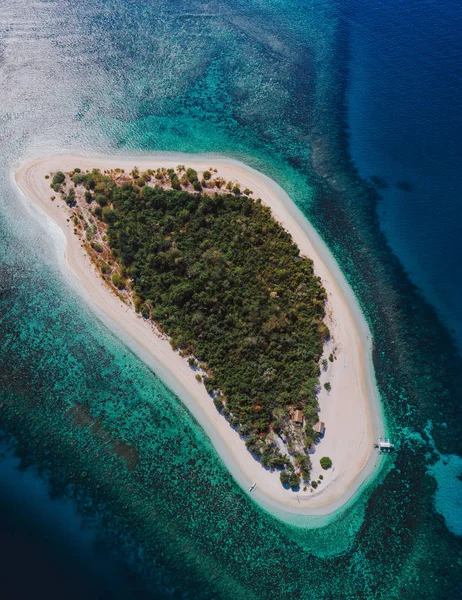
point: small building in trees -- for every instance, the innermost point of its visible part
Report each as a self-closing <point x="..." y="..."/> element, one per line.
<point x="320" y="427"/>
<point x="297" y="417"/>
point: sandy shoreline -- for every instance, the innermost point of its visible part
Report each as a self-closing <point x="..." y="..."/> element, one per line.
<point x="351" y="410"/>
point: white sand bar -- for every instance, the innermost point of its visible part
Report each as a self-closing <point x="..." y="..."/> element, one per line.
<point x="351" y="411"/>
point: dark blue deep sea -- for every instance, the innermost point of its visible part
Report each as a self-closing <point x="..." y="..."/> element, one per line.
<point x="405" y="119"/>
<point x="108" y="487"/>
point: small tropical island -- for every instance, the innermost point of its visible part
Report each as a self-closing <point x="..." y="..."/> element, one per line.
<point x="203" y="262"/>
<point x="217" y="274"/>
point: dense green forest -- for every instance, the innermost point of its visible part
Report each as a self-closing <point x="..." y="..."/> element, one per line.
<point x="226" y="282"/>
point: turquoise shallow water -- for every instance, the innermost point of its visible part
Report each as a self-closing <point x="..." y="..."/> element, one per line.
<point x="262" y="82"/>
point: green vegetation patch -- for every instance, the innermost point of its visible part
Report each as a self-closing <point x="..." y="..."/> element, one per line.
<point x="228" y="285"/>
<point x="226" y="282"/>
<point x="325" y="462"/>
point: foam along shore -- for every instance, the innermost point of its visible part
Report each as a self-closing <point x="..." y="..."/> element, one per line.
<point x="351" y="410"/>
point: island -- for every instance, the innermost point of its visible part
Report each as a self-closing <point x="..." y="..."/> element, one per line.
<point x="204" y="266"/>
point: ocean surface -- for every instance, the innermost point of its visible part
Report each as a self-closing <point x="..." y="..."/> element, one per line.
<point x="108" y="487"/>
<point x="405" y="121"/>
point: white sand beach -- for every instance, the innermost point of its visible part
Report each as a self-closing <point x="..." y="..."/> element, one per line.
<point x="351" y="411"/>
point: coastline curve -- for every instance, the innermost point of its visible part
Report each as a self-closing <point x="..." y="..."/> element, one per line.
<point x="352" y="411"/>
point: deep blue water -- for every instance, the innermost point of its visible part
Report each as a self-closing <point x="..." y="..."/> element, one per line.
<point x="405" y="120"/>
<point x="45" y="544"/>
<point x="98" y="507"/>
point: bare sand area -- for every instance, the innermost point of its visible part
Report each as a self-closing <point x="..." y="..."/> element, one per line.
<point x="351" y="410"/>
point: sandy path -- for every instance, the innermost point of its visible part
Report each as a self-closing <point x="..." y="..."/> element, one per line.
<point x="351" y="410"/>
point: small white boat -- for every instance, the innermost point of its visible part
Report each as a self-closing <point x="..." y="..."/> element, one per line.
<point x="384" y="445"/>
<point x="252" y="487"/>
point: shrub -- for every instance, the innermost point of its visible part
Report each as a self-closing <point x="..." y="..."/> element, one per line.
<point x="328" y="386"/>
<point x="197" y="185"/>
<point x="253" y="443"/>
<point x="79" y="179"/>
<point x="294" y="481"/>
<point x="331" y="357"/>
<point x="101" y="199"/>
<point x="198" y="377"/>
<point x="277" y="462"/>
<point x="105" y="268"/>
<point x="100" y="187"/>
<point x="325" y="462"/>
<point x="110" y="216"/>
<point x="59" y="177"/>
<point x="207" y="175"/>
<point x="284" y="476"/>
<point x="244" y="429"/>
<point x="47" y="177"/>
<point x="97" y="247"/>
<point x="70" y="198"/>
<point x="311" y="414"/>
<point x="191" y="174"/>
<point x="106" y="210"/>
<point x="304" y="463"/>
<point x="119" y="281"/>
<point x="218" y="403"/>
<point x="314" y="485"/>
<point x="88" y="197"/>
<point x="234" y="421"/>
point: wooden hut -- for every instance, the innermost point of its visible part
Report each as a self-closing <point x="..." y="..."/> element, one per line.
<point x="297" y="417"/>
<point x="320" y="427"/>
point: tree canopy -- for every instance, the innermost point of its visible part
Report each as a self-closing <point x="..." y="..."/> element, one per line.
<point x="226" y="282"/>
<point x="325" y="462"/>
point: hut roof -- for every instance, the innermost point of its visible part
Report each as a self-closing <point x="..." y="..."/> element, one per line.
<point x="320" y="427"/>
<point x="297" y="417"/>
